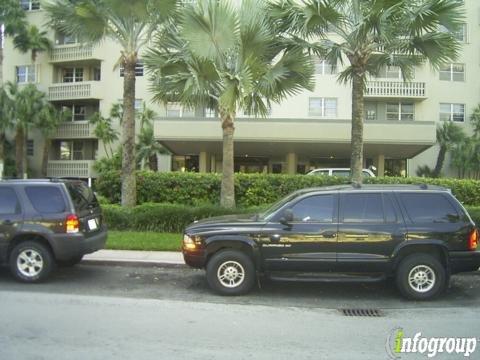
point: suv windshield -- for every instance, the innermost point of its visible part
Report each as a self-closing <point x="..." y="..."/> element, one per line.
<point x="82" y="196"/>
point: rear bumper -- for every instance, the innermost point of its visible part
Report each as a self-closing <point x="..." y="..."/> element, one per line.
<point x="463" y="261"/>
<point x="68" y="246"/>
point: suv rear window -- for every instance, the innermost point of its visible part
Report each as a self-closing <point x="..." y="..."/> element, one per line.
<point x="46" y="199"/>
<point x="429" y="208"/>
<point x="82" y="196"/>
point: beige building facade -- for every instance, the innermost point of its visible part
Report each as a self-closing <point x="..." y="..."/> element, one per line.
<point x="310" y="130"/>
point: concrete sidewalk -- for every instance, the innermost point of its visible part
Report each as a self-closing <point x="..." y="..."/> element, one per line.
<point x="129" y="257"/>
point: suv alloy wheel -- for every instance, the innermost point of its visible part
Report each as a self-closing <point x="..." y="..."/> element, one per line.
<point x="421" y="277"/>
<point x="231" y="272"/>
<point x="31" y="262"/>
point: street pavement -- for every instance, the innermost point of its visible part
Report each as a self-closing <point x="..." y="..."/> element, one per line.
<point x="95" y="311"/>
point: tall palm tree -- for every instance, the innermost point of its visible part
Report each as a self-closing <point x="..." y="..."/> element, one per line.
<point x="48" y="122"/>
<point x="28" y="103"/>
<point x="370" y="35"/>
<point x="129" y="24"/>
<point x="226" y="58"/>
<point x="32" y="39"/>
<point x="449" y="135"/>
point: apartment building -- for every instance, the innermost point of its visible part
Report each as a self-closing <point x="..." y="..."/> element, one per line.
<point x="307" y="131"/>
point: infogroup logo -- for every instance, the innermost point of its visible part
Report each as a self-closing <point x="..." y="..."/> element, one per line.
<point x="398" y="344"/>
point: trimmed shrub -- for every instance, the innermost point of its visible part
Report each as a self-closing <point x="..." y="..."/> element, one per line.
<point x="252" y="189"/>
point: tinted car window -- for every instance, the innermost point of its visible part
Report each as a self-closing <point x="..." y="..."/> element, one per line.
<point x="357" y="208"/>
<point x="82" y="196"/>
<point x="46" y="199"/>
<point x="389" y="210"/>
<point x="343" y="173"/>
<point x="314" y="209"/>
<point x="8" y="202"/>
<point x="428" y="208"/>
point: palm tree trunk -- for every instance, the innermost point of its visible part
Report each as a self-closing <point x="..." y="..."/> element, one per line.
<point x="2" y="151"/>
<point x="129" y="189"/>
<point x="46" y="151"/>
<point x="356" y="161"/>
<point x="227" y="192"/>
<point x="440" y="161"/>
<point x="153" y="162"/>
<point x="19" y="154"/>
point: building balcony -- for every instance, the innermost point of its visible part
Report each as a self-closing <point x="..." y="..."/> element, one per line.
<point x="72" y="53"/>
<point x="71" y="169"/>
<point x="73" y="91"/>
<point x="75" y="130"/>
<point x="385" y="89"/>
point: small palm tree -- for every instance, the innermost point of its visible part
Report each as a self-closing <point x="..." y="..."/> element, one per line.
<point x="449" y="135"/>
<point x="104" y="131"/>
<point x="6" y="122"/>
<point x="28" y="103"/>
<point x="226" y="58"/>
<point x="48" y="122"/>
<point x="32" y="39"/>
<point x="475" y="121"/>
<point x="129" y="24"/>
<point x="148" y="148"/>
<point x="370" y="35"/>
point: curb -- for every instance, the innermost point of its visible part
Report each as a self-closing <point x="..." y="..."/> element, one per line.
<point x="138" y="263"/>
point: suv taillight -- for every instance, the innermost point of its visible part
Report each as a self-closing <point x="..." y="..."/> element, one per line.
<point x="473" y="240"/>
<point x="72" y="225"/>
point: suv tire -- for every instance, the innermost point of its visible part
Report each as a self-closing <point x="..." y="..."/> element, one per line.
<point x="421" y="277"/>
<point x="31" y="262"/>
<point x="231" y="272"/>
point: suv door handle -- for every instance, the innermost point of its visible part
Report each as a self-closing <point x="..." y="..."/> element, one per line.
<point x="7" y="222"/>
<point x="329" y="234"/>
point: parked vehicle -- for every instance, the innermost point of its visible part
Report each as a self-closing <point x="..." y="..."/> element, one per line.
<point x="343" y="172"/>
<point x="47" y="222"/>
<point x="416" y="235"/>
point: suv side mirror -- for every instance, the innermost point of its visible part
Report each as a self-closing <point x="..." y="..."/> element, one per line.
<point x="287" y="217"/>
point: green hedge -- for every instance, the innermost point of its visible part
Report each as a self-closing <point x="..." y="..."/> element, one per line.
<point x="174" y="218"/>
<point x="251" y="189"/>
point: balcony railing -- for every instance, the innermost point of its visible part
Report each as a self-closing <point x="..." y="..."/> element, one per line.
<point x="75" y="52"/>
<point x="396" y="89"/>
<point x="71" y="168"/>
<point x="70" y="91"/>
<point x="74" y="129"/>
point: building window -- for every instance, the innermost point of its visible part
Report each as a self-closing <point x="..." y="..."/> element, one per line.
<point x="390" y="72"/>
<point x="209" y="113"/>
<point x="65" y="150"/>
<point x="400" y="111"/>
<point x="97" y="74"/>
<point x="325" y="107"/>
<point x="77" y="150"/>
<point x="79" y="112"/>
<point x="72" y="75"/>
<point x="176" y="110"/>
<point x="461" y="33"/>
<point x="138" y="69"/>
<point x="453" y="72"/>
<point x="30" y="148"/>
<point x="324" y="67"/>
<point x="370" y="111"/>
<point x="29" y="5"/>
<point x="452" y="112"/>
<point x="25" y="74"/>
<point x="71" y="150"/>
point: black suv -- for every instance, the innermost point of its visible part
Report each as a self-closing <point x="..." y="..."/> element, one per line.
<point x="418" y="235"/>
<point x="47" y="222"/>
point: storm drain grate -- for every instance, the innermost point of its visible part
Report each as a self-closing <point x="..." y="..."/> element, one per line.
<point x="362" y="312"/>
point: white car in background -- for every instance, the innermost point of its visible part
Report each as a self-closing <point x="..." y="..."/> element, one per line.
<point x="344" y="172"/>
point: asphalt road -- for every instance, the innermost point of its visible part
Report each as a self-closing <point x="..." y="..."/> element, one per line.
<point x="114" y="312"/>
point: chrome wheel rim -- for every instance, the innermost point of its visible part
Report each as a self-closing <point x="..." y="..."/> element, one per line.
<point x="30" y="263"/>
<point x="421" y="278"/>
<point x="231" y="274"/>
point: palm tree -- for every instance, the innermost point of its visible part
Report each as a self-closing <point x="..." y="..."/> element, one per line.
<point x="226" y="58"/>
<point x="28" y="102"/>
<point x="32" y="39"/>
<point x="48" y="121"/>
<point x="475" y="121"/>
<point x="104" y="131"/>
<point x="148" y="148"/>
<point x="449" y="135"/>
<point x="370" y="35"/>
<point x="129" y="24"/>
<point x="6" y="122"/>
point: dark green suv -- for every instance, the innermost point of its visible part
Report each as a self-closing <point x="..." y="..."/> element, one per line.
<point x="47" y="222"/>
<point x="417" y="235"/>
